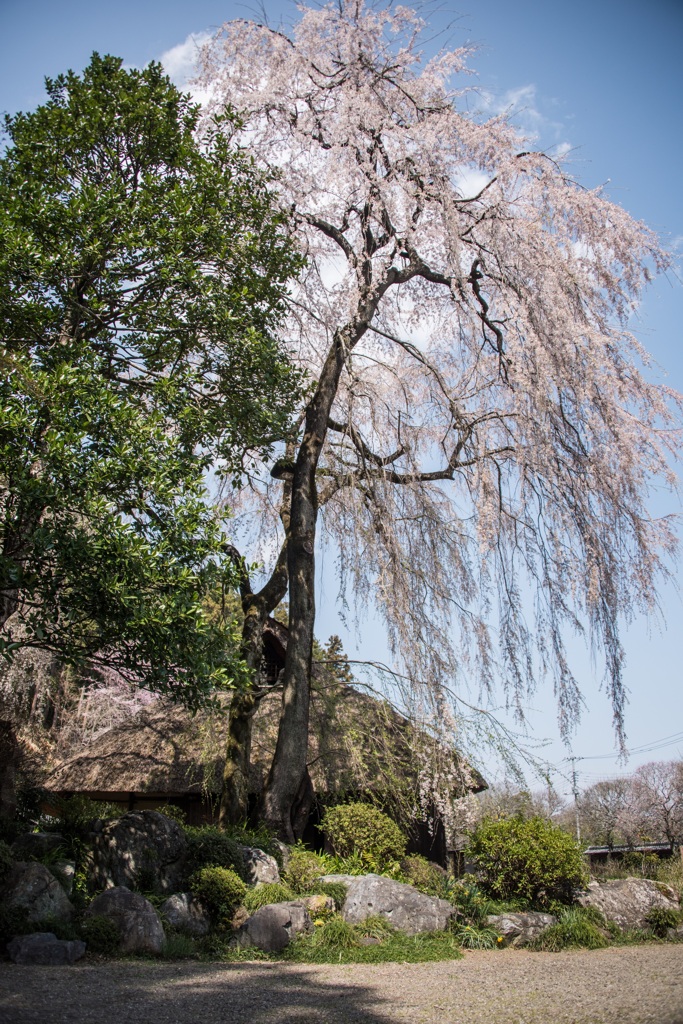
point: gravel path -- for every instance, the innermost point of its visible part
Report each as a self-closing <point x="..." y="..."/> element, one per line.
<point x="631" y="985"/>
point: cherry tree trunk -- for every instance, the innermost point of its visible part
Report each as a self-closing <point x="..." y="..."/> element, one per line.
<point x="287" y="784"/>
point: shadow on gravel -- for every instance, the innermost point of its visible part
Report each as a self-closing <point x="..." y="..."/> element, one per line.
<point x="187" y="994"/>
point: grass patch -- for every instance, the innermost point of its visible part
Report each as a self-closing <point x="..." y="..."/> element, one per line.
<point x="179" y="947"/>
<point x="337" y="942"/>
<point x="575" y="930"/>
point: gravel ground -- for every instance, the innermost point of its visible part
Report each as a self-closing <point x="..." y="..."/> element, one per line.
<point x="628" y="985"/>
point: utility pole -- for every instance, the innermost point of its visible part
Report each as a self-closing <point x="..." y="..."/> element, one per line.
<point x="575" y="790"/>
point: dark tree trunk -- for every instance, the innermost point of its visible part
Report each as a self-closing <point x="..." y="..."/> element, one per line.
<point x="234" y="801"/>
<point x="9" y="761"/>
<point x="286" y="780"/>
<point x="287" y="773"/>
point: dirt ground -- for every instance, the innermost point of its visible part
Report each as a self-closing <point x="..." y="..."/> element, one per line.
<point x="628" y="985"/>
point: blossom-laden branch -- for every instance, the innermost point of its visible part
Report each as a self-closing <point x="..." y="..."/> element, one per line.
<point x="488" y="430"/>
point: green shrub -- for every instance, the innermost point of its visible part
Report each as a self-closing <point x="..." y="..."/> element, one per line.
<point x="13" y="921"/>
<point x="530" y="860"/>
<point x="220" y="889"/>
<point x="101" y="934"/>
<point x="210" y="847"/>
<point x="660" y="919"/>
<point x="364" y="830"/>
<point x="270" y="892"/>
<point x="173" y="812"/>
<point x="6" y="861"/>
<point x="76" y="814"/>
<point x="303" y="868"/>
<point x="575" y="929"/>
<point x="426" y="876"/>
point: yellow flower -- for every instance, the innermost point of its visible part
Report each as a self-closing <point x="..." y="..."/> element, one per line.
<point x="318" y="922"/>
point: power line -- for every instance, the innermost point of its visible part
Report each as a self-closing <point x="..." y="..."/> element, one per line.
<point x="646" y="748"/>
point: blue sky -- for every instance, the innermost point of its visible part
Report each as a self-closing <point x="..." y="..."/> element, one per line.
<point x="601" y="77"/>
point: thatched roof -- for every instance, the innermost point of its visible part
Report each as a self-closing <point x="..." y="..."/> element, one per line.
<point x="357" y="743"/>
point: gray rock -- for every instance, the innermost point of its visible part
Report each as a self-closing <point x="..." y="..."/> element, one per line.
<point x="31" y="887"/>
<point x="143" y="849"/>
<point x="402" y="905"/>
<point x="285" y="853"/>
<point x="274" y="926"/>
<point x="65" y="871"/>
<point x="628" y="901"/>
<point x="186" y="914"/>
<point x="520" y="929"/>
<point x="44" y="948"/>
<point x="260" y="867"/>
<point x="140" y="925"/>
<point x="36" y="845"/>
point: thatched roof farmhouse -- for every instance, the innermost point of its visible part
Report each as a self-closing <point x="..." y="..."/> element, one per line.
<point x="359" y="747"/>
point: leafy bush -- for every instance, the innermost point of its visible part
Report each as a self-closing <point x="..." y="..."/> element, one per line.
<point x="101" y="934"/>
<point x="530" y="860"/>
<point x="303" y="868"/>
<point x="426" y="876"/>
<point x="270" y="892"/>
<point x="660" y="919"/>
<point x="220" y="889"/>
<point x="575" y="929"/>
<point x="76" y="814"/>
<point x="260" y="837"/>
<point x="173" y="812"/>
<point x="364" y="830"/>
<point x="6" y="861"/>
<point x="13" y="921"/>
<point x="210" y="847"/>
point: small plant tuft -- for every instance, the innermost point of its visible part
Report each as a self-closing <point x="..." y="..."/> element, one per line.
<point x="575" y="929"/>
<point x="661" y="919"/>
<point x="262" y="895"/>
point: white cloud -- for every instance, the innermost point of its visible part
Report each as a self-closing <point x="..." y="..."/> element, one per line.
<point x="469" y="181"/>
<point x="180" y="61"/>
<point x="522" y="106"/>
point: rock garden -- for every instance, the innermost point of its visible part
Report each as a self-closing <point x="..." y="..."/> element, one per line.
<point x="147" y="884"/>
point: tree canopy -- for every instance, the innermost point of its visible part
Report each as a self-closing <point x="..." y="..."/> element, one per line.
<point x="481" y="427"/>
<point x="142" y="274"/>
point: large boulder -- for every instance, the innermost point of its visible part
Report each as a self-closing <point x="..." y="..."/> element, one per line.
<point x="628" y="901"/>
<point x="143" y="849"/>
<point x="520" y="929"/>
<point x="137" y="920"/>
<point x="30" y="887"/>
<point x="44" y="948"/>
<point x="403" y="906"/>
<point x="260" y="867"/>
<point x="186" y="914"/>
<point x="274" y="926"/>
